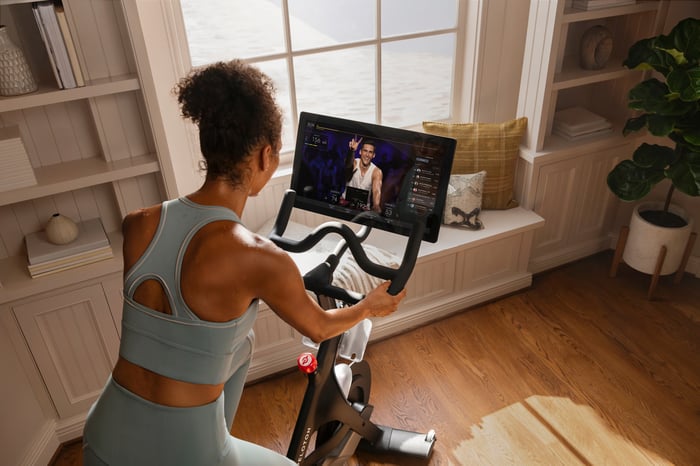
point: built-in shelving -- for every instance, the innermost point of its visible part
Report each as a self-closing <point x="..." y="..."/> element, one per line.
<point x="92" y="148"/>
<point x="18" y="284"/>
<point x="48" y="95"/>
<point x="80" y="174"/>
<point x="573" y="75"/>
<point x="554" y="80"/>
<point x="572" y="15"/>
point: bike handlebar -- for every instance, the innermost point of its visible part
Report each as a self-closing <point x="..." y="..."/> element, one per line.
<point x="353" y="241"/>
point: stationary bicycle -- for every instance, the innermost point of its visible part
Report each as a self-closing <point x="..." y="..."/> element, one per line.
<point x="335" y="409"/>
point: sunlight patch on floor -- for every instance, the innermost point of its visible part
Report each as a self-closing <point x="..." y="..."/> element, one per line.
<point x="549" y="430"/>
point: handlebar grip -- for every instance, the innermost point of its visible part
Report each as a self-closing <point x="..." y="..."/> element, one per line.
<point x="284" y="213"/>
<point x="410" y="255"/>
<point x="399" y="282"/>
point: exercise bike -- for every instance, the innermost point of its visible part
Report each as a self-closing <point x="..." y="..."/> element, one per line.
<point x="335" y="409"/>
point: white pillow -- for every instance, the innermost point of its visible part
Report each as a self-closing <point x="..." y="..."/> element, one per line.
<point x="463" y="201"/>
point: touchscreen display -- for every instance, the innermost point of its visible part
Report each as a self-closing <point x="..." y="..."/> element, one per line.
<point x="385" y="177"/>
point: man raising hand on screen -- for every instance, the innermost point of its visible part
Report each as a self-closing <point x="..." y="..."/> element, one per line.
<point x="362" y="173"/>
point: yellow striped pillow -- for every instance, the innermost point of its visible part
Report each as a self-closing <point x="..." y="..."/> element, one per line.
<point x="486" y="146"/>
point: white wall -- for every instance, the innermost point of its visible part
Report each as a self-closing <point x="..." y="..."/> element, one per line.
<point x="504" y="27"/>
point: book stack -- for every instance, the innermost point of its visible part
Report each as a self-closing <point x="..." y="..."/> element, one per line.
<point x="578" y="123"/>
<point x="53" y="27"/>
<point x="598" y="4"/>
<point x="15" y="169"/>
<point x="91" y="245"/>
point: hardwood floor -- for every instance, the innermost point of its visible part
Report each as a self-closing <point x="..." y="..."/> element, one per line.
<point x="578" y="369"/>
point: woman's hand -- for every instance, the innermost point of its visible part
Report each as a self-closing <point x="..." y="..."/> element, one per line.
<point x="380" y="303"/>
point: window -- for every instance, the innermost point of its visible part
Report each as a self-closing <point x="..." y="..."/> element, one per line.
<point x="392" y="62"/>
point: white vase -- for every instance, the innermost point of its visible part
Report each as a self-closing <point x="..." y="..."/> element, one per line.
<point x="60" y="229"/>
<point x="15" y="76"/>
<point x="645" y="240"/>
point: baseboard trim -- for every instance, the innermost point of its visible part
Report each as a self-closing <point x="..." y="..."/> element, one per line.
<point x="44" y="446"/>
<point x="70" y="428"/>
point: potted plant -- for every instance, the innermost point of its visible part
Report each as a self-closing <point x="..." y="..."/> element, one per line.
<point x="670" y="108"/>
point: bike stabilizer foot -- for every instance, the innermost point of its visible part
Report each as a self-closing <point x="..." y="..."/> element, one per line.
<point x="402" y="441"/>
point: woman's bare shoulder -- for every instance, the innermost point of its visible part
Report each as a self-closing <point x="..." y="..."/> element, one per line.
<point x="138" y="229"/>
<point x="140" y="218"/>
<point x="243" y="243"/>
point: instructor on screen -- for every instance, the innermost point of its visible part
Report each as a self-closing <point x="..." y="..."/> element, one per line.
<point x="362" y="174"/>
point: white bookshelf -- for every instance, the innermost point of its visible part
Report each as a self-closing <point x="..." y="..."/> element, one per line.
<point x="92" y="148"/>
<point x="552" y="78"/>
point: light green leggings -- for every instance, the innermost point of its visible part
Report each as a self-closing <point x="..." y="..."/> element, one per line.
<point x="125" y="429"/>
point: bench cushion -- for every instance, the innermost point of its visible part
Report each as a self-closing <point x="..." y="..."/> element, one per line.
<point x="492" y="147"/>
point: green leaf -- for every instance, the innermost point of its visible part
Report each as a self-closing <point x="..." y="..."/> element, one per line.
<point x="687" y="132"/>
<point x="683" y="178"/>
<point x="634" y="124"/>
<point x="685" y="83"/>
<point x="683" y="38"/>
<point x="692" y="137"/>
<point x="652" y="96"/>
<point x="661" y="125"/>
<point x="644" y="55"/>
<point x="648" y="95"/>
<point x="653" y="156"/>
<point x="630" y="182"/>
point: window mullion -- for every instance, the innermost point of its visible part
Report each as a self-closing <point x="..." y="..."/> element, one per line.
<point x="378" y="64"/>
<point x="290" y="64"/>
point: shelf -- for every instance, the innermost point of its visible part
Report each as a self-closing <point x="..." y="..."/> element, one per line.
<point x="79" y="174"/>
<point x="556" y="143"/>
<point x="18" y="284"/>
<point x="559" y="148"/>
<point x="572" y="75"/>
<point x="46" y="95"/>
<point x="572" y="15"/>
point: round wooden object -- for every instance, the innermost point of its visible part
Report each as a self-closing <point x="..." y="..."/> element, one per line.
<point x="596" y="47"/>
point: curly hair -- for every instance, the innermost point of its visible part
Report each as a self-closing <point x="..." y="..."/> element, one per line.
<point x="233" y="105"/>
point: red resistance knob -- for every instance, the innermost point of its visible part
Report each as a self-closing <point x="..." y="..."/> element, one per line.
<point x="307" y="363"/>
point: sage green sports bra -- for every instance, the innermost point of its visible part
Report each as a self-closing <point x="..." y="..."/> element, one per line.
<point x="180" y="346"/>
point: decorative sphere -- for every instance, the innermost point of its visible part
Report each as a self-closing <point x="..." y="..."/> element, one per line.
<point x="61" y="229"/>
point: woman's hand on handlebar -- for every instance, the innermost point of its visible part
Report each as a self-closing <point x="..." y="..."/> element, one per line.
<point x="380" y="303"/>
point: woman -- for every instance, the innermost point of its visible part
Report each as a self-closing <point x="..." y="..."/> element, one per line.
<point x="193" y="275"/>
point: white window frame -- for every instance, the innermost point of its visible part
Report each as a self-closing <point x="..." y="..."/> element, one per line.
<point x="162" y="54"/>
<point x="288" y="55"/>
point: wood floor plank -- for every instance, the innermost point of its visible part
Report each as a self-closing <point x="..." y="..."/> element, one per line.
<point x="587" y="435"/>
<point x="513" y="436"/>
<point x="624" y="384"/>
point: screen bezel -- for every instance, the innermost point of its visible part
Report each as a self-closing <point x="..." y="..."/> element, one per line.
<point x="402" y="225"/>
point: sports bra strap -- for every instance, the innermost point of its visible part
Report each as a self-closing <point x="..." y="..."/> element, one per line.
<point x="180" y="220"/>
